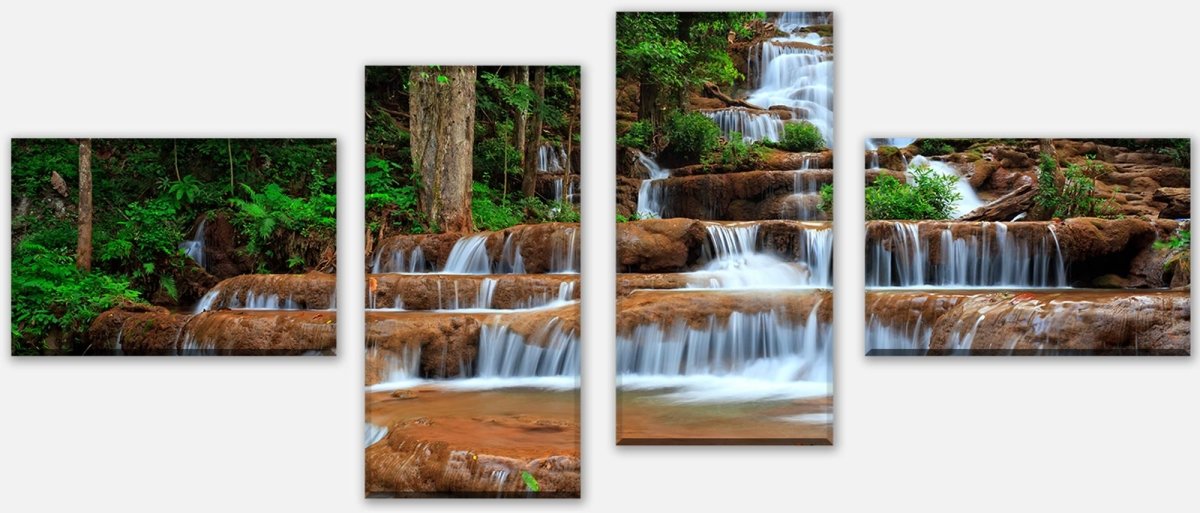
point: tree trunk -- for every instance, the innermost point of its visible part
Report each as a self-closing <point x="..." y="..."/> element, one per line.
<point x="442" y="108"/>
<point x="519" y="117"/>
<point x="570" y="146"/>
<point x="534" y="138"/>
<point x="648" y="103"/>
<point x="83" y="251"/>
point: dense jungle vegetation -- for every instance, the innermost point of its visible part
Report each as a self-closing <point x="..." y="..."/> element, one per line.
<point x="140" y="199"/>
<point x="512" y="113"/>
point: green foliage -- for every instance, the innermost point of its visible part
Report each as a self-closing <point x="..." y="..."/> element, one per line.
<point x="935" y="147"/>
<point x="931" y="196"/>
<point x="1180" y="151"/>
<point x="268" y="218"/>
<point x="52" y="300"/>
<point x="826" y="198"/>
<point x="802" y="136"/>
<point x="1076" y="195"/>
<point x="692" y="135"/>
<point x="679" y="50"/>
<point x="490" y="213"/>
<point x="146" y="233"/>
<point x="1181" y="239"/>
<point x="531" y="484"/>
<point x="736" y="153"/>
<point x="640" y="135"/>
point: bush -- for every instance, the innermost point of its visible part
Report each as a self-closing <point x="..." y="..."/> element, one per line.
<point x="490" y="212"/>
<point x="692" y="135"/>
<point x="802" y="136"/>
<point x="931" y="196"/>
<point x="826" y="198"/>
<point x="640" y="135"/>
<point x="935" y="147"/>
<point x="1076" y="196"/>
<point x="1180" y="151"/>
<point x="52" y="300"/>
<point x="736" y="153"/>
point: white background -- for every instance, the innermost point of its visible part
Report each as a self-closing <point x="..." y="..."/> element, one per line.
<point x="191" y="434"/>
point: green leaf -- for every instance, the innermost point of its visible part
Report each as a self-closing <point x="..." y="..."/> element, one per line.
<point x="530" y="482"/>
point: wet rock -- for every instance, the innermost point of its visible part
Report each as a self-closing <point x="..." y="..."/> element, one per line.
<point x="432" y="292"/>
<point x="225" y="332"/>
<point x="1178" y="202"/>
<point x="746" y="196"/>
<point x="1053" y="322"/>
<point x="697" y="309"/>
<point x="539" y="245"/>
<point x="1109" y="281"/>
<point x="659" y="245"/>
<point x="309" y="291"/>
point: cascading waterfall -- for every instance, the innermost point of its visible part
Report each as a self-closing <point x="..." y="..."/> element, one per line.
<point x="374" y="434"/>
<point x="651" y="193"/>
<point x="736" y="259"/>
<point x="194" y="248"/>
<point x="990" y="257"/>
<point x="506" y="354"/>
<point x="770" y="354"/>
<point x="969" y="201"/>
<point x="798" y="78"/>
<point x="399" y="262"/>
<point x="753" y="125"/>
<point x="469" y="256"/>
<point x="550" y="159"/>
<point x="806" y="191"/>
<point x="564" y="258"/>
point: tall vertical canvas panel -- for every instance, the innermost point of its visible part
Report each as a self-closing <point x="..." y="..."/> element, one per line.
<point x="991" y="246"/>
<point x="724" y="215"/>
<point x="174" y="247"/>
<point x="473" y="259"/>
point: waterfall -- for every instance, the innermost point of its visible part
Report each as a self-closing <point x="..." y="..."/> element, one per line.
<point x="754" y="126"/>
<point x="194" y="248"/>
<point x="550" y="159"/>
<point x="742" y="357"/>
<point x="374" y="434"/>
<point x="506" y="354"/>
<point x="651" y="193"/>
<point x="564" y="258"/>
<point x="980" y="255"/>
<point x="969" y="201"/>
<point x="806" y="191"/>
<point x="736" y="259"/>
<point x="469" y="256"/>
<point x="792" y="21"/>
<point x="397" y="263"/>
<point x="800" y="79"/>
<point x="511" y="261"/>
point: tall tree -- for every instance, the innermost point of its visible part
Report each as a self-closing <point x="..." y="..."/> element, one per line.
<point x="83" y="249"/>
<point x="442" y="126"/>
<point x="520" y="78"/>
<point x="533" y="140"/>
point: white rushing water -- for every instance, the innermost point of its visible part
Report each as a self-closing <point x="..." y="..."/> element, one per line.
<point x="789" y="75"/>
<point x="548" y="358"/>
<point x="806" y="191"/>
<point x="736" y="259"/>
<point x="969" y="201"/>
<point x="990" y="257"/>
<point x="194" y="248"/>
<point x="470" y="255"/>
<point x="650" y="194"/>
<point x="747" y="356"/>
<point x="374" y="434"/>
<point x="550" y="159"/>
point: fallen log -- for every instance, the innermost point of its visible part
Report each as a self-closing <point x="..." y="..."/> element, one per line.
<point x="1006" y="207"/>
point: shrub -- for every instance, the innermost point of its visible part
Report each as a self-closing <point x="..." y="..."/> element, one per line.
<point x="692" y="135"/>
<point x="934" y="147"/>
<point x="52" y="300"/>
<point x="826" y="198"/>
<point x="490" y="212"/>
<point x="640" y="135"/>
<point x="930" y="196"/>
<point x="736" y="153"/>
<point x="802" y="136"/>
<point x="1180" y="151"/>
<point x="1075" y="197"/>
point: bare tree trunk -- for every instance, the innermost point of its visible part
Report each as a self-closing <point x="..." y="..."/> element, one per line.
<point x="570" y="145"/>
<point x="83" y="251"/>
<point x="442" y="108"/>
<point x="519" y="117"/>
<point x="648" y="103"/>
<point x="534" y="140"/>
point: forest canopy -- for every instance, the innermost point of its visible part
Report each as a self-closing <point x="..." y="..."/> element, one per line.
<point x="274" y="198"/>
